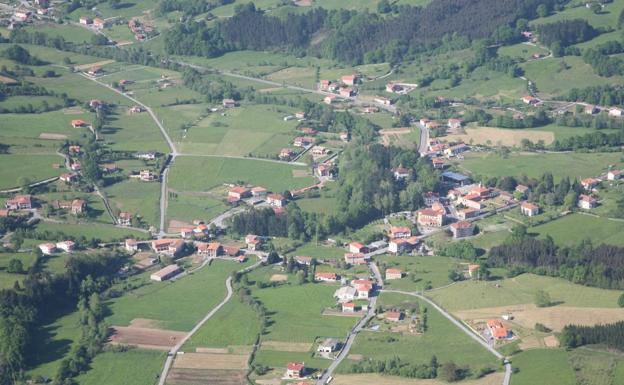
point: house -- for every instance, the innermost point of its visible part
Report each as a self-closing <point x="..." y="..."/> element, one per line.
<point x="303" y="141"/>
<point x="393" y="88"/>
<point x="239" y="192"/>
<point x="229" y="103"/>
<point x="150" y="155"/>
<point x="253" y="242"/>
<point x="136" y="109"/>
<point x="68" y="177"/>
<point x="402" y="245"/>
<point x="430" y="217"/>
<point x="66" y="246"/>
<point x="355" y="258"/>
<point x="170" y="247"/>
<point x="497" y="329"/>
<point x="590" y="109"/>
<point x="383" y="101"/>
<point x="124" y="219"/>
<point x="186" y="232"/>
<point x="323" y="170"/>
<point x="357" y="247"/>
<point x="616" y="112"/>
<point x="286" y="153"/>
<point x="590" y="183"/>
<point x="454" y="123"/>
<point x="344" y="136"/>
<point x="524" y="190"/>
<point x="530" y="100"/>
<point x="350" y="80"/>
<point x="400" y="173"/>
<point x="5" y="213"/>
<point x="587" y="202"/>
<point x="329" y="345"/>
<point x="473" y="270"/>
<point x="394" y="273"/>
<point x="131" y="245"/>
<point x="76" y="123"/>
<point x="400" y="232"/>
<point x="324" y="84"/>
<point x="471" y="200"/>
<point x="455" y="178"/>
<point x="393" y="316"/>
<point x="47" y="248"/>
<point x="308" y="131"/>
<point x="615" y="174"/>
<point x="295" y="370"/>
<point x="146" y="176"/>
<point x="363" y="287"/>
<point x="99" y="23"/>
<point x="94" y="71"/>
<point x="84" y="20"/>
<point x="166" y="273"/>
<point x="302" y="260"/>
<point x="300" y="115"/>
<point x="325" y="277"/>
<point x="345" y="294"/>
<point x="280" y="210"/>
<point x="529" y="209"/>
<point x="19" y="202"/>
<point x="108" y="168"/>
<point x="231" y="251"/>
<point x="456" y="150"/>
<point x="430" y="198"/>
<point x="75" y="166"/>
<point x="438" y="163"/>
<point x="78" y="206"/>
<point x="348" y="307"/>
<point x="347" y="92"/>
<point x="74" y="149"/>
<point x="276" y="200"/>
<point x="467" y="213"/>
<point x="210" y="250"/>
<point x="95" y="104"/>
<point x="320" y="151"/>
<point x="462" y="229"/>
<point x="329" y="99"/>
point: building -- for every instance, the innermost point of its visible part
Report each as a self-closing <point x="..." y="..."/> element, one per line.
<point x="329" y="345"/>
<point x="146" y="176"/>
<point x="438" y="163"/>
<point x="239" y="192"/>
<point x="136" y="109"/>
<point x="99" y="23"/>
<point x="402" y="245"/>
<point x="356" y="258"/>
<point x="393" y="316"/>
<point x="300" y="115"/>
<point x="320" y="150"/>
<point x="467" y="213"/>
<point x="74" y="149"/>
<point x="94" y="71"/>
<point x="124" y="219"/>
<point x="303" y="260"/>
<point x="454" y="123"/>
<point x="350" y="80"/>
<point x="329" y="99"/>
<point x="357" y="247"/>
<point x="383" y="101"/>
<point x="325" y="277"/>
<point x="456" y="150"/>
<point x="344" y="136"/>
<point x="19" y="202"/>
<point x="170" y="247"/>
<point x="393" y="88"/>
<point x="150" y="155"/>
<point x="615" y="175"/>
<point x="430" y="217"/>
<point x="616" y="112"/>
<point x="323" y="170"/>
<point x="498" y="330"/>
<point x="400" y="173"/>
<point x="394" y="273"/>
<point x="295" y="370"/>
<point x="166" y="273"/>
<point x="400" y="232"/>
<point x="590" y="109"/>
<point x="455" y="178"/>
<point x="66" y="246"/>
<point x="348" y="307"/>
<point x="210" y="250"/>
<point x="462" y="229"/>
<point x="347" y="92"/>
<point x="253" y="242"/>
<point x="68" y="177"/>
<point x="522" y="189"/>
<point x="47" y="248"/>
<point x="324" y="84"/>
<point x="530" y="100"/>
<point x="231" y="251"/>
<point x="308" y="131"/>
<point x="473" y="270"/>
<point x="84" y="20"/>
<point x="590" y="183"/>
<point x="587" y="202"/>
<point x="345" y="294"/>
<point x="276" y="200"/>
<point x="78" y="206"/>
<point x="363" y="288"/>
<point x="303" y="141"/>
<point x="229" y="103"/>
<point x="286" y="153"/>
<point x="131" y="245"/>
<point x="529" y="209"/>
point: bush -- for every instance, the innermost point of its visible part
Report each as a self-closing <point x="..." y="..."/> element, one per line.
<point x="542" y="299"/>
<point x="621" y="300"/>
<point x="15" y="266"/>
<point x="542" y="328"/>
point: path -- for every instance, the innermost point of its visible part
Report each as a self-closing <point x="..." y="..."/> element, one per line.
<point x="424" y="139"/>
<point x="171" y="354"/>
<point x="463" y="328"/>
<point x="243" y="158"/>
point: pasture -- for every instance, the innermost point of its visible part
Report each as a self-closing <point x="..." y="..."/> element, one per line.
<point x="92" y="231"/>
<point x="137" y="198"/>
<point x="420" y="272"/>
<point x="187" y="207"/>
<point x="571" y="229"/>
<point x="7" y="280"/>
<point x="135" y="366"/>
<point x="500" y="136"/>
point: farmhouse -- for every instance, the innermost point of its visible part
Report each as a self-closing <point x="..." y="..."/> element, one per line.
<point x="394" y="273"/>
<point x="146" y="175"/>
<point x="239" y="192"/>
<point x="324" y="84"/>
<point x="210" y="250"/>
<point x="350" y="80"/>
<point x="323" y="170"/>
<point x="615" y="175"/>
<point x="587" y="202"/>
<point x="124" y="219"/>
<point x="590" y="183"/>
<point x="75" y="166"/>
<point x="530" y="100"/>
<point x="166" y="273"/>
<point x="400" y="173"/>
<point x="253" y="242"/>
<point x="300" y="115"/>
<point x="94" y="71"/>
<point x="131" y="245"/>
<point x="78" y="206"/>
<point x="347" y="92"/>
<point x="325" y="277"/>
<point x="529" y="209"/>
<point x="229" y="103"/>
<point x="329" y="99"/>
<point x="363" y="287"/>
<point x="84" y="20"/>
<point x="19" y="202"/>
<point x="303" y="141"/>
<point x="456" y="150"/>
<point x="47" y="248"/>
<point x="231" y="251"/>
<point x="454" y="123"/>
<point x="68" y="177"/>
<point x="393" y="316"/>
<point x="473" y="270"/>
<point x="170" y="247"/>
<point x="345" y="294"/>
<point x="303" y="260"/>
<point x="356" y="258"/>
<point x="308" y="131"/>
<point x="462" y="229"/>
<point x="74" y="149"/>
<point x="319" y="150"/>
<point x="136" y="109"/>
<point x="66" y="246"/>
<point x="99" y="23"/>
<point x="430" y="217"/>
<point x="498" y="330"/>
<point x="357" y="247"/>
<point x="467" y="213"/>
<point x="616" y="112"/>
<point x="402" y="245"/>
<point x="348" y="307"/>
<point x="522" y="189"/>
<point x="276" y="200"/>
<point x="76" y="123"/>
<point x="431" y="197"/>
<point x="108" y="168"/>
<point x="471" y="200"/>
<point x="438" y="163"/>
<point x="590" y="109"/>
<point x="295" y="370"/>
<point x="329" y="345"/>
<point x="400" y="232"/>
<point x="286" y="153"/>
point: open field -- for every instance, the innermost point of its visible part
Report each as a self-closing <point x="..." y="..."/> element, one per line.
<point x="211" y="361"/>
<point x="501" y="136"/>
<point x="200" y="174"/>
<point x="33" y="167"/>
<point x="137" y="198"/>
<point x="146" y="338"/>
<point x="188" y="207"/>
<point x="135" y="366"/>
<point x="571" y="229"/>
<point x="7" y="280"/>
<point x="420" y="271"/>
<point x="377" y="379"/>
<point x="97" y="231"/>
<point x="573" y="165"/>
<point x="521" y="290"/>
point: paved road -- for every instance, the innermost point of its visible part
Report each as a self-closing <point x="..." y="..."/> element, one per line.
<point x="424" y="139"/>
<point x="463" y="328"/>
<point x="175" y="349"/>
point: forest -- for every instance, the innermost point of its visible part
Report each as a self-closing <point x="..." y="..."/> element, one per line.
<point x="611" y="335"/>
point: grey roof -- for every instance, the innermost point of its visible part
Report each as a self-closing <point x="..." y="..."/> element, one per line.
<point x="455" y="176"/>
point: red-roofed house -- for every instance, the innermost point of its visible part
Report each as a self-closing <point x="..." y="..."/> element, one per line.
<point x="253" y="242"/>
<point x="19" y="202"/>
<point x="615" y="174"/>
<point x="295" y="370"/>
<point x="430" y="217"/>
<point x="66" y="246"/>
<point x="355" y="258"/>
<point x="587" y="202"/>
<point x="325" y="277"/>
<point x="170" y="247"/>
<point x="350" y="80"/>
<point x="467" y="213"/>
<point x="392" y="273"/>
<point x="348" y="307"/>
<point x="124" y="219"/>
<point x="76" y="123"/>
<point x="47" y="248"/>
<point x="530" y="100"/>
<point x="393" y="316"/>
<point x="286" y="153"/>
<point x="402" y="245"/>
<point x="303" y="141"/>
<point x="166" y="273"/>
<point x="276" y="200"/>
<point x="454" y="123"/>
<point x="589" y="183"/>
<point x="462" y="229"/>
<point x="529" y="209"/>
<point x="498" y="330"/>
<point x="324" y="84"/>
<point x="131" y="245"/>
<point x="357" y="247"/>
<point x="400" y="173"/>
<point x="400" y="232"/>
<point x="68" y="177"/>
<point x="239" y="192"/>
<point x="346" y="92"/>
<point x="211" y="250"/>
<point x="363" y="287"/>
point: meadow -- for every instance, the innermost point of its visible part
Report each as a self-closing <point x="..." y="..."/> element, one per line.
<point x="34" y="167"/>
<point x="571" y="229"/>
<point x="420" y="271"/>
<point x="188" y="207"/>
<point x="137" y="198"/>
<point x="7" y="280"/>
<point x="135" y="366"/>
<point x="91" y="231"/>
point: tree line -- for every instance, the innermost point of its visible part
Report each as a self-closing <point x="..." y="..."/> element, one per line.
<point x="611" y="335"/>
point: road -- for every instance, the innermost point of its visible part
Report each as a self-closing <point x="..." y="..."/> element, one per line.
<point x="171" y="354"/>
<point x="463" y="328"/>
<point x="424" y="139"/>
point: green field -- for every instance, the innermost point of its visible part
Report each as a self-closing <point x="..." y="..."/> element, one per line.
<point x="7" y="280"/>
<point x="521" y="290"/>
<point x="188" y="207"/>
<point x="420" y="271"/>
<point x="137" y="198"/>
<point x="571" y="229"/>
<point x="91" y="231"/>
<point x="205" y="173"/>
<point x="573" y="165"/>
<point x="135" y="366"/>
<point x="34" y="167"/>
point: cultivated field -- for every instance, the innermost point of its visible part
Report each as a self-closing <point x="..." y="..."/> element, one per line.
<point x="501" y="136"/>
<point x="146" y="338"/>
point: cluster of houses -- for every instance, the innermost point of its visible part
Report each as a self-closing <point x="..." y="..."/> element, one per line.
<point x="256" y="194"/>
<point x="140" y="29"/>
<point x="357" y="289"/>
<point x="51" y="248"/>
<point x="399" y="88"/>
<point x="19" y="202"/>
<point x="344" y="87"/>
<point x="95" y="23"/>
<point x="76" y="206"/>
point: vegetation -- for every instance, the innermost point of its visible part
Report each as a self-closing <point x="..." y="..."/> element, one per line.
<point x="611" y="335"/>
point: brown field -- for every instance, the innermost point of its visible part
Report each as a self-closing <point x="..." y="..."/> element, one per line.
<point x="377" y="379"/>
<point x="396" y="136"/>
<point x="213" y="350"/>
<point x="278" y="278"/>
<point x="96" y="64"/>
<point x="206" y="377"/>
<point x="505" y="137"/>
<point x="176" y="226"/>
<point x="555" y="318"/>
<point x="286" y="346"/>
<point x="146" y="338"/>
<point x="48" y="136"/>
<point x="212" y="361"/>
<point x="355" y="357"/>
<point x="6" y="80"/>
<point x="300" y="173"/>
<point x="73" y="110"/>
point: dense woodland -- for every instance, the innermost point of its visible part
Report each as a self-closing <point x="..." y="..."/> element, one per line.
<point x="610" y="335"/>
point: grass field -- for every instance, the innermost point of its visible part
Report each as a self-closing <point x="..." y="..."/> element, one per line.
<point x="33" y="167"/>
<point x="7" y="280"/>
<point x="501" y="136"/>
<point x="97" y="231"/>
<point x="571" y="229"/>
<point x="421" y="271"/>
<point x="135" y="366"/>
<point x="137" y="198"/>
<point x="188" y="207"/>
<point x="521" y="290"/>
<point x="204" y="173"/>
<point x="521" y="51"/>
<point x="573" y="165"/>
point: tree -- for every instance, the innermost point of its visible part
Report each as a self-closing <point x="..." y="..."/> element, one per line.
<point x="384" y="6"/>
<point x="15" y="266"/>
<point x="621" y="300"/>
<point x="518" y="233"/>
<point x="300" y="277"/>
<point x="450" y="372"/>
<point x="98" y="39"/>
<point x="542" y="299"/>
<point x="596" y="7"/>
<point x="541" y="10"/>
